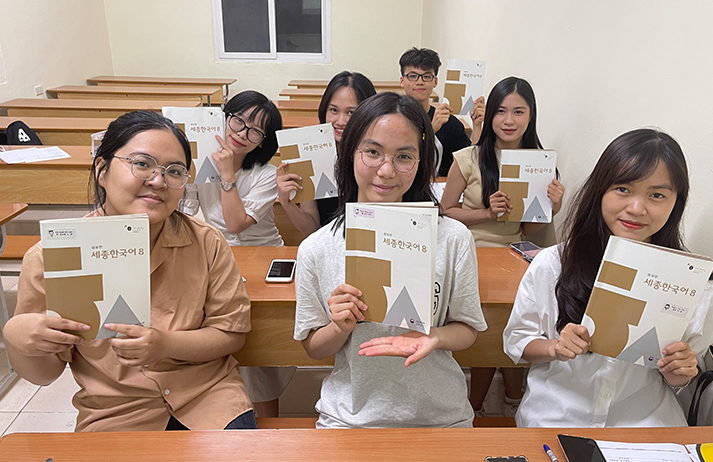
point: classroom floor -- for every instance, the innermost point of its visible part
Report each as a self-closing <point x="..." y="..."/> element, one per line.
<point x="25" y="407"/>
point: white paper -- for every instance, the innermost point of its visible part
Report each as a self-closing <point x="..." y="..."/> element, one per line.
<point x="467" y="87"/>
<point x="644" y="452"/>
<point x="33" y="154"/>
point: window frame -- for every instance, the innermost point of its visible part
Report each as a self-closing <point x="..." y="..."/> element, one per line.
<point x="273" y="55"/>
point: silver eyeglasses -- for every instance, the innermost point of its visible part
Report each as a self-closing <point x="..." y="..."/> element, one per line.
<point x="414" y="76"/>
<point x="403" y="162"/>
<point x="237" y="125"/>
<point x="145" y="167"/>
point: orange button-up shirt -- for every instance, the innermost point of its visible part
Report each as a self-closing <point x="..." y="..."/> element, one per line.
<point x="195" y="283"/>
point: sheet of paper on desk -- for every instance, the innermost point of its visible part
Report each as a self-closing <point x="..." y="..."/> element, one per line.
<point x="645" y="452"/>
<point x="33" y="154"/>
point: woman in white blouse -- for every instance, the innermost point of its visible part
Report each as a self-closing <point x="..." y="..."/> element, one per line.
<point x="637" y="190"/>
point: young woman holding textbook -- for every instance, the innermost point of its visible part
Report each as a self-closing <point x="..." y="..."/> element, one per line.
<point x="387" y="155"/>
<point x="510" y="123"/>
<point x="179" y="374"/>
<point x="638" y="190"/>
<point x="241" y="207"/>
<point x="343" y="94"/>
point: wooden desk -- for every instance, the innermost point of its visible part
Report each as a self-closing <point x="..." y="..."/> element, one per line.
<point x="379" y="85"/>
<point x="414" y="444"/>
<point x="315" y="94"/>
<point x="202" y="95"/>
<point x="270" y="341"/>
<point x="299" y="121"/>
<point x="62" y="181"/>
<point x="297" y="108"/>
<point x="92" y="108"/>
<point x="61" y="130"/>
<point x="163" y="82"/>
<point x="7" y="213"/>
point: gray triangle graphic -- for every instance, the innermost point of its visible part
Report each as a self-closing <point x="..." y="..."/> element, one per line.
<point x="325" y="188"/>
<point x="207" y="173"/>
<point x="120" y="313"/>
<point x="404" y="310"/>
<point x="647" y="347"/>
<point x="534" y="213"/>
<point x="468" y="106"/>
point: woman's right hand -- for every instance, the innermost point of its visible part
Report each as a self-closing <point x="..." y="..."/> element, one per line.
<point x="286" y="183"/>
<point x="345" y="307"/>
<point x="574" y="340"/>
<point x="38" y="334"/>
<point x="499" y="203"/>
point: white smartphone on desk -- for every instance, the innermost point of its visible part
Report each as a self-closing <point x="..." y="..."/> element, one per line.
<point x="527" y="249"/>
<point x="281" y="271"/>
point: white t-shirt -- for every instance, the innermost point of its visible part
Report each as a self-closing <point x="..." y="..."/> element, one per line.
<point x="257" y="189"/>
<point x="380" y="391"/>
<point x="591" y="390"/>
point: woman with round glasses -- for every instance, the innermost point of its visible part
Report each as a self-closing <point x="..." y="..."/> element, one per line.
<point x="343" y="94"/>
<point x="240" y="204"/>
<point x="241" y="207"/>
<point x="387" y="156"/>
<point x="178" y="374"/>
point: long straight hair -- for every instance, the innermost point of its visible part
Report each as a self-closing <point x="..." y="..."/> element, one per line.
<point x="631" y="157"/>
<point x="488" y="161"/>
<point x="363" y="118"/>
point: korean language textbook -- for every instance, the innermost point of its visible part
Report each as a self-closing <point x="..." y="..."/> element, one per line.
<point x="464" y="84"/>
<point x="524" y="176"/>
<point x="391" y="258"/>
<point x="97" y="271"/>
<point x="310" y="152"/>
<point x="200" y="124"/>
<point x="643" y="299"/>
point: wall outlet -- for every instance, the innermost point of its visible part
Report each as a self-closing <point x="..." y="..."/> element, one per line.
<point x="39" y="90"/>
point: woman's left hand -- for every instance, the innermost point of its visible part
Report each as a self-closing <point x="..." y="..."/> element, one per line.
<point x="414" y="346"/>
<point x="223" y="159"/>
<point x="679" y="364"/>
<point x="140" y="347"/>
<point x="555" y="191"/>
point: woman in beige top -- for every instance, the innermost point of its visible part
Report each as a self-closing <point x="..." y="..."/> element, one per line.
<point x="510" y="123"/>
<point x="178" y="374"/>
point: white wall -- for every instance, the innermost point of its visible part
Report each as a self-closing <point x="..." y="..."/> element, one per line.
<point x="599" y="69"/>
<point x="175" y="38"/>
<point x="52" y="42"/>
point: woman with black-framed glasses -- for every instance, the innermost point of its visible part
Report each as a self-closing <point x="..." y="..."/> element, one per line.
<point x="240" y="204"/>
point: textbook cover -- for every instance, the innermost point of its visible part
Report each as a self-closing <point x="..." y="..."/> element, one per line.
<point x="200" y="124"/>
<point x="391" y="258"/>
<point x="524" y="176"/>
<point x="464" y="84"/>
<point x="97" y="271"/>
<point x="643" y="299"/>
<point x="310" y="152"/>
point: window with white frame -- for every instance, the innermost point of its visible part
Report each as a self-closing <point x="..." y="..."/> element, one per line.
<point x="278" y="30"/>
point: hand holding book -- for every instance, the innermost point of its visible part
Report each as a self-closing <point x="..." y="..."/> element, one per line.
<point x="140" y="346"/>
<point x="345" y="307"/>
<point x="40" y="334"/>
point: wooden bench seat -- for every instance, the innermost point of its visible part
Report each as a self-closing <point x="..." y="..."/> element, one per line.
<point x="315" y="94"/>
<point x="16" y="246"/>
<point x="105" y="108"/>
<point x="309" y="422"/>
<point x="379" y="85"/>
<point x="205" y="95"/>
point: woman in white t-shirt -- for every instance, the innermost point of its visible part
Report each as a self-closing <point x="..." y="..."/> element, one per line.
<point x="638" y="190"/>
<point x="387" y="155"/>
<point x="241" y="204"/>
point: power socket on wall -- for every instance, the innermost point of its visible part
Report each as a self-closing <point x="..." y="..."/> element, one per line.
<point x="39" y="90"/>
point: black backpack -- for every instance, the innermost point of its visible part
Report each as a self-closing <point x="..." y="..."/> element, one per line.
<point x="18" y="133"/>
